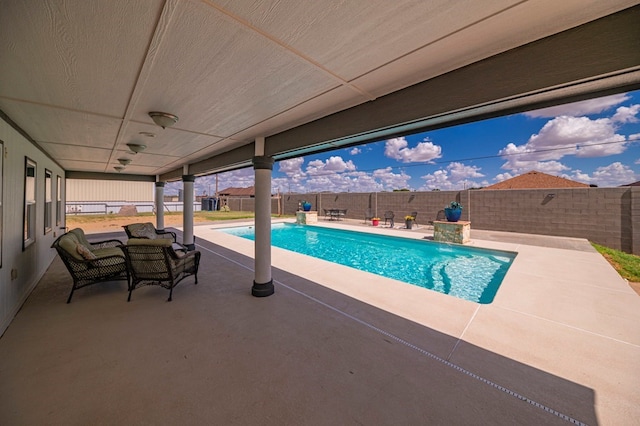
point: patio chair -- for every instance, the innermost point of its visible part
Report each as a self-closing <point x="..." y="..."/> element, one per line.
<point x="90" y="263"/>
<point x="147" y="230"/>
<point x="415" y="219"/>
<point x="155" y="262"/>
<point x="440" y="216"/>
<point x="388" y="216"/>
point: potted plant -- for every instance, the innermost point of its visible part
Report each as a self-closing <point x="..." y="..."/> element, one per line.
<point x="306" y="206"/>
<point x="375" y="221"/>
<point x="408" y="221"/>
<point x="453" y="211"/>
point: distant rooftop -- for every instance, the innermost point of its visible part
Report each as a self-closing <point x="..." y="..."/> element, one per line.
<point x="238" y="192"/>
<point x="536" y="180"/>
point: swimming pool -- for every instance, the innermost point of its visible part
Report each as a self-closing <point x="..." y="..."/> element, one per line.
<point x="466" y="272"/>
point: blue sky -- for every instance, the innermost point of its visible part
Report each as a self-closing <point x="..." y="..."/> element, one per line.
<point x="595" y="142"/>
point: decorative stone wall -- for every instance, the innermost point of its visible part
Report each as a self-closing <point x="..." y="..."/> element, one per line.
<point x="306" y="218"/>
<point x="452" y="232"/>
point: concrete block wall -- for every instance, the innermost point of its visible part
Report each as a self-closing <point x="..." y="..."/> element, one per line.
<point x="607" y="216"/>
<point x="237" y="204"/>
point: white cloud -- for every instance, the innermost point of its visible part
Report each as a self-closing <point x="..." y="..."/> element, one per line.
<point x="503" y="176"/>
<point x="455" y="176"/>
<point x="241" y="178"/>
<point x="579" y="176"/>
<point x="614" y="174"/>
<point x="437" y="180"/>
<point x="292" y="166"/>
<point x="397" y="149"/>
<point x="579" y="136"/>
<point x="461" y="172"/>
<point x="334" y="164"/>
<point x="626" y="114"/>
<point x="336" y="175"/>
<point x="355" y="151"/>
<point x="591" y="106"/>
<point x="390" y="181"/>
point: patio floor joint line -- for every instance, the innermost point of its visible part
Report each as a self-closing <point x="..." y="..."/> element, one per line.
<point x="418" y="349"/>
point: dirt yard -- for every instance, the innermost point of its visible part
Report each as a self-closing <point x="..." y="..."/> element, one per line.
<point x="115" y="223"/>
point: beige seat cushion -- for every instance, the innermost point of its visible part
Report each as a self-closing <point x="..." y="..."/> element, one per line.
<point x="69" y="243"/>
<point x="82" y="239"/>
<point x="160" y="242"/>
<point x="85" y="252"/>
<point x="108" y="251"/>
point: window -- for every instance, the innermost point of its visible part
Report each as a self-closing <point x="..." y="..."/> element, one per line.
<point x="59" y="211"/>
<point x="29" y="203"/>
<point x="47" y="200"/>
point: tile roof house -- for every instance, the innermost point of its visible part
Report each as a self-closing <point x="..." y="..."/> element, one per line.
<point x="536" y="180"/>
<point x="632" y="184"/>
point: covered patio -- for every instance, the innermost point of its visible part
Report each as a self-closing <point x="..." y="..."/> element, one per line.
<point x="560" y="343"/>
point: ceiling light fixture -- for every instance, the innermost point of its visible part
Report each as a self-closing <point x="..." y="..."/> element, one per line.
<point x="119" y="168"/>
<point x="163" y="119"/>
<point x="124" y="161"/>
<point x="136" y="148"/>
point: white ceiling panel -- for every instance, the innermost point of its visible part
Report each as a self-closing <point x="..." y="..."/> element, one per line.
<point x="56" y="125"/>
<point x="80" y="77"/>
<point x="228" y="72"/>
<point x="168" y="141"/>
<point x="351" y="38"/>
<point x="77" y="54"/>
<point x="320" y="106"/>
<point x="518" y="25"/>
<point x="69" y="152"/>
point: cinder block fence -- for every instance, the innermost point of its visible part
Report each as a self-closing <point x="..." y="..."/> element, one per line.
<point x="607" y="216"/>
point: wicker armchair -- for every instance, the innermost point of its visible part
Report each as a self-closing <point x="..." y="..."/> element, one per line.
<point x="155" y="262"/>
<point x="147" y="230"/>
<point x="90" y="263"/>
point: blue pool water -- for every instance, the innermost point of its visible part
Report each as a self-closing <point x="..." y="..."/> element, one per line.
<point x="468" y="273"/>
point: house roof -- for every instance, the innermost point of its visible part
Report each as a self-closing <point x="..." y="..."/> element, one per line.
<point x="632" y="184"/>
<point x="238" y="192"/>
<point x="536" y="180"/>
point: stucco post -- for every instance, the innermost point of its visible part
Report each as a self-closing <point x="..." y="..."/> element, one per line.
<point x="263" y="283"/>
<point x="160" y="205"/>
<point x="187" y="210"/>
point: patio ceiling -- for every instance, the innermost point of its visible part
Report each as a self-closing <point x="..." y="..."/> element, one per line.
<point x="80" y="77"/>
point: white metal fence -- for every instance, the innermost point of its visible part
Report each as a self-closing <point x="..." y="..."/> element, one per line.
<point x="113" y="207"/>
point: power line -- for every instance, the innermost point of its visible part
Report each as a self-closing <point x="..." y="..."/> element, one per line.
<point x="485" y="157"/>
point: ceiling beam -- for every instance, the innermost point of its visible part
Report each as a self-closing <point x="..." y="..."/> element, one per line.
<point x="69" y="174"/>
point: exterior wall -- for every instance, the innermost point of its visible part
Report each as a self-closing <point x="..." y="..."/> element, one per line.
<point x="607" y="216"/>
<point x="28" y="265"/>
<point x="109" y="190"/>
<point x="248" y="204"/>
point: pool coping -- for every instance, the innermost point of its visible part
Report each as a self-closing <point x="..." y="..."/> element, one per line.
<point x="564" y="311"/>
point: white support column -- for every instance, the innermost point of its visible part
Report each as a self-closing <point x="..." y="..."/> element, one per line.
<point x="160" y="206"/>
<point x="187" y="210"/>
<point x="262" y="283"/>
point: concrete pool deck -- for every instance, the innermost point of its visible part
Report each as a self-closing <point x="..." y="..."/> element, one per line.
<point x="332" y="346"/>
<point x="561" y="308"/>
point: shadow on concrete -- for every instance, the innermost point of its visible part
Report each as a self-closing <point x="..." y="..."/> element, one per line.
<point x="217" y="355"/>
